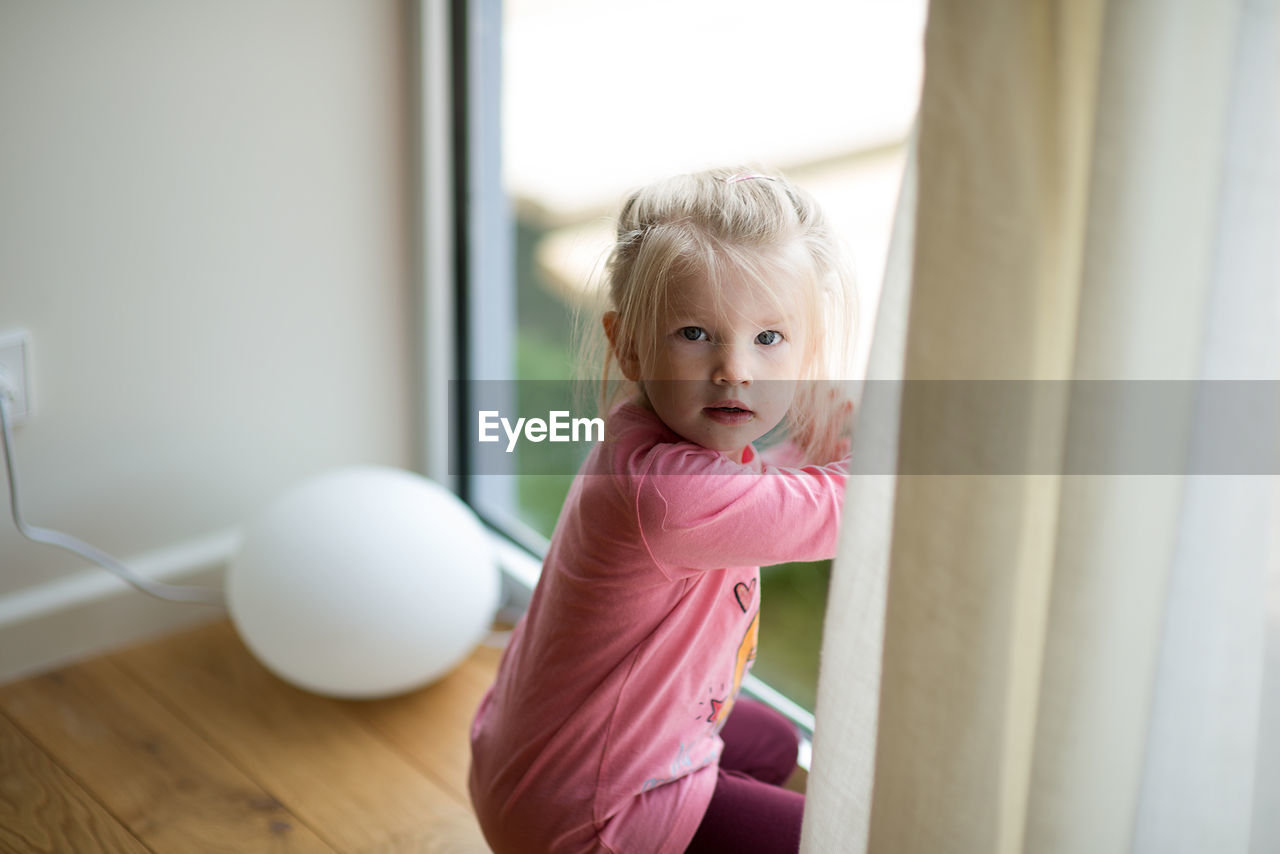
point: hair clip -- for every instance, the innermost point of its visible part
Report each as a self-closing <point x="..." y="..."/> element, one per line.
<point x="746" y="176"/>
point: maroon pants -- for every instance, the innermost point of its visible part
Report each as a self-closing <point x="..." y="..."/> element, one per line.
<point x="750" y="811"/>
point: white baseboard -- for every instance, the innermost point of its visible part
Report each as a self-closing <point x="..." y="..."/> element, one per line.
<point x="91" y="612"/>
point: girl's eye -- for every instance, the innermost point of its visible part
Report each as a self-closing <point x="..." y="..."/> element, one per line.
<point x="769" y="337"/>
<point x="693" y="333"/>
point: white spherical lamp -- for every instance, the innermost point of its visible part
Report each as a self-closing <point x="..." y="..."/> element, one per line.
<point x="363" y="582"/>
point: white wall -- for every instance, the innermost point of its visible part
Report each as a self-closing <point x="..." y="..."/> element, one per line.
<point x="204" y="226"/>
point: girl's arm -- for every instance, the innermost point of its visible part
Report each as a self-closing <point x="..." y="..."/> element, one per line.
<point x="789" y="453"/>
<point x="698" y="510"/>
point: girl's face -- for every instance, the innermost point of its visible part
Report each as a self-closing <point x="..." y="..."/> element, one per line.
<point x="723" y="371"/>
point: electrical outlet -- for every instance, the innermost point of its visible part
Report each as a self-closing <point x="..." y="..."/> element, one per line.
<point x="15" y="361"/>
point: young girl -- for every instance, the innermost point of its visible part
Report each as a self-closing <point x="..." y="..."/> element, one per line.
<point x="614" y="723"/>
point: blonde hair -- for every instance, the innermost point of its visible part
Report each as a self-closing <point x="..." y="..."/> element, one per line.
<point x="708" y="224"/>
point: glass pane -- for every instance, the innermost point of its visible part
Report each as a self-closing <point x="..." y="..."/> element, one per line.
<point x="599" y="98"/>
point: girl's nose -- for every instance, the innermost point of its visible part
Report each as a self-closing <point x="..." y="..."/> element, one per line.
<point x="732" y="367"/>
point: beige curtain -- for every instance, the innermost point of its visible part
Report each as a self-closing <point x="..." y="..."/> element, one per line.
<point x="1054" y="622"/>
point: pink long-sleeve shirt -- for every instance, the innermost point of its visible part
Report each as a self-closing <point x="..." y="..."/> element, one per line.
<point x="600" y="733"/>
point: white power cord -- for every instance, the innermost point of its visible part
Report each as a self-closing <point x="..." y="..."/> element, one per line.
<point x="66" y="542"/>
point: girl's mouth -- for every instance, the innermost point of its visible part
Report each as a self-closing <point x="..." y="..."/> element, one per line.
<point x="729" y="413"/>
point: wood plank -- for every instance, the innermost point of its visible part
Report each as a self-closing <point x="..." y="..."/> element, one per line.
<point x="43" y="809"/>
<point x="455" y="835"/>
<point x="343" y="780"/>
<point x="442" y="747"/>
<point x="149" y="768"/>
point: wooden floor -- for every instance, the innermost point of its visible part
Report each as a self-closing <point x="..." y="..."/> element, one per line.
<point x="188" y="745"/>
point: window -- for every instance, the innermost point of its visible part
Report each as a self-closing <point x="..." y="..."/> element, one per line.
<point x="570" y="103"/>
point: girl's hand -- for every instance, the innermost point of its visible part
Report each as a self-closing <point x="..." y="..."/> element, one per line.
<point x="826" y="435"/>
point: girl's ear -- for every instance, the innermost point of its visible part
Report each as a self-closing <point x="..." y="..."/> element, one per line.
<point x="623" y="350"/>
